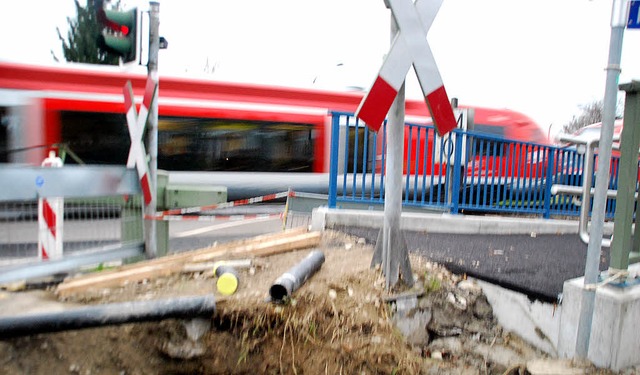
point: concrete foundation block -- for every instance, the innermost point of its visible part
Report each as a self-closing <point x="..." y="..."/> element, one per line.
<point x="615" y="329"/>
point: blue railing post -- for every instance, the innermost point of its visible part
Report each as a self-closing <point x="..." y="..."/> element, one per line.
<point x="457" y="163"/>
<point x="549" y="183"/>
<point x="333" y="162"/>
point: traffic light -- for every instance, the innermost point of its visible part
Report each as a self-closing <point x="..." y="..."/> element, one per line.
<point x="119" y="33"/>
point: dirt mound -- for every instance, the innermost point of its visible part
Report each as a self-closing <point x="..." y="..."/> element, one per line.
<point x="341" y="321"/>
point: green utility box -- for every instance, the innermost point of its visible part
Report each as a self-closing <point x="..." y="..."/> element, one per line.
<point x="185" y="196"/>
<point x="169" y="197"/>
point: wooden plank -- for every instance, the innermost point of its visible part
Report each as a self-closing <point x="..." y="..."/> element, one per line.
<point x="258" y="246"/>
<point x="276" y="246"/>
<point x="103" y="281"/>
<point x="184" y="257"/>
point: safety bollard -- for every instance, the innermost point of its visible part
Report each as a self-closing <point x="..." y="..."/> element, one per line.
<point x="50" y="219"/>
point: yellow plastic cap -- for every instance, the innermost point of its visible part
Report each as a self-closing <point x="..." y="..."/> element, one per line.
<point x="227" y="284"/>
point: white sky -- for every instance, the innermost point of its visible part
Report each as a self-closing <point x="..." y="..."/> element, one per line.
<point x="543" y="58"/>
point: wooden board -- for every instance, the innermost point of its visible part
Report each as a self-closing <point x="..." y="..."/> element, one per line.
<point x="255" y="247"/>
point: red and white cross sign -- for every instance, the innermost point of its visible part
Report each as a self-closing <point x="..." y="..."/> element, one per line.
<point x="409" y="47"/>
<point x="136" y="123"/>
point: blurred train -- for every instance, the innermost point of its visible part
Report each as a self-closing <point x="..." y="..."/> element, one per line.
<point x="203" y="125"/>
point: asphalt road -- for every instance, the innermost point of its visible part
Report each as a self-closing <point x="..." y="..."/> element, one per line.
<point x="536" y="266"/>
<point x="185" y="235"/>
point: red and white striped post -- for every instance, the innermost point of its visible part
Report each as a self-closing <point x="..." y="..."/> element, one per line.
<point x="50" y="219"/>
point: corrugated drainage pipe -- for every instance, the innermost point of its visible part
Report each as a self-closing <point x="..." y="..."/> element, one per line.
<point x="291" y="280"/>
<point x="107" y="314"/>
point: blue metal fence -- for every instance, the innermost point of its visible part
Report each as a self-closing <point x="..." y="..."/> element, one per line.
<point x="462" y="172"/>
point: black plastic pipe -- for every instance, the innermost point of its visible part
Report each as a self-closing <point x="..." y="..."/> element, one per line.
<point x="107" y="314"/>
<point x="291" y="280"/>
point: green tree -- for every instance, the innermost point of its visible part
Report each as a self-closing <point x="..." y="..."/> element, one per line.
<point x="81" y="44"/>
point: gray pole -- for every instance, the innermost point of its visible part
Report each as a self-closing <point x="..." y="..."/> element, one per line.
<point x="391" y="248"/>
<point x="592" y="267"/>
<point x="151" y="244"/>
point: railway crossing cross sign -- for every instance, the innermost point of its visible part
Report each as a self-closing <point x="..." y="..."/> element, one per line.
<point x="409" y="47"/>
<point x="136" y="123"/>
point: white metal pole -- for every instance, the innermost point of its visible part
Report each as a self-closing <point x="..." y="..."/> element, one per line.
<point x="592" y="268"/>
<point x="391" y="249"/>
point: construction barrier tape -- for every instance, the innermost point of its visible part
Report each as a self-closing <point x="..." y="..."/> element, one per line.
<point x="213" y="217"/>
<point x="180" y="213"/>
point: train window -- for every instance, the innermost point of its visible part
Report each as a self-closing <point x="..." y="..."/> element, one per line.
<point x="195" y="144"/>
<point x="488" y="146"/>
<point x="96" y="138"/>
<point x="4" y="135"/>
<point x="234" y="145"/>
<point x="362" y="139"/>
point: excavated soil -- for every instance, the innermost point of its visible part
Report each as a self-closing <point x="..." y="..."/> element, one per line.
<point x="341" y="321"/>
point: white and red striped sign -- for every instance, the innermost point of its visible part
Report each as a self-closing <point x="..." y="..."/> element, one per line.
<point x="409" y="47"/>
<point x="50" y="219"/>
<point x="136" y="123"/>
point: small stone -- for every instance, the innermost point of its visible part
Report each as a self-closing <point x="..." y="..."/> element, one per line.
<point x="552" y="366"/>
<point x="196" y="327"/>
<point x="350" y="291"/>
<point x="333" y="294"/>
<point x="457" y="301"/>
<point x="15" y="286"/>
<point x="482" y="308"/>
<point x="436" y="355"/>
<point x="446" y="345"/>
<point x="414" y="326"/>
<point x="186" y="350"/>
<point x="469" y="286"/>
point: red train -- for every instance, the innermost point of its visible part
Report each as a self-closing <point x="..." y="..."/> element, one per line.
<point x="203" y="125"/>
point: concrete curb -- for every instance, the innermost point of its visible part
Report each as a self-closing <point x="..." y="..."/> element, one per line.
<point x="324" y="217"/>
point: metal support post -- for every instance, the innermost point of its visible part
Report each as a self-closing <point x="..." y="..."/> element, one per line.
<point x="151" y="247"/>
<point x="391" y="248"/>
<point x="592" y="267"/>
<point x="627" y="180"/>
